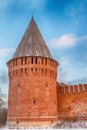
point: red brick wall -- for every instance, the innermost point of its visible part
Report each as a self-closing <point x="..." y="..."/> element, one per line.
<point x="73" y="103"/>
<point x="32" y="89"/>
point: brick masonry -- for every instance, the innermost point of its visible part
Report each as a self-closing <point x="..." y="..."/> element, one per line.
<point x="35" y="96"/>
<point x="72" y="101"/>
<point x="32" y="89"/>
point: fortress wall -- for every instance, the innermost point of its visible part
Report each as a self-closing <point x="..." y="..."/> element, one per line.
<point x="72" y="101"/>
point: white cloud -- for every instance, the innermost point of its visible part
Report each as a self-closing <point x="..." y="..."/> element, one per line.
<point x="67" y="41"/>
<point x="4" y="52"/>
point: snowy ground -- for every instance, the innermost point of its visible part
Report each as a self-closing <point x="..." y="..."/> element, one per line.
<point x="79" y="124"/>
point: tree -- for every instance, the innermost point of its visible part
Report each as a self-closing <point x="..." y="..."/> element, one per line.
<point x="3" y="109"/>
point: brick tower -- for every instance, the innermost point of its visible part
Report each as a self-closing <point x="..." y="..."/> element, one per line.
<point x="32" y="82"/>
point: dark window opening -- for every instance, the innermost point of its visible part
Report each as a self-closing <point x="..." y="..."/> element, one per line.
<point x="18" y="84"/>
<point x="46" y="72"/>
<point x="34" y="101"/>
<point x="22" y="61"/>
<point x="32" y="60"/>
<point x="42" y="60"/>
<point x="25" y="60"/>
<point x="46" y="84"/>
<point x="51" y="121"/>
<point x="17" y="122"/>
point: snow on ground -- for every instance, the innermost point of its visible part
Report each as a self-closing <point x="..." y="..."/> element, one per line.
<point x="78" y="124"/>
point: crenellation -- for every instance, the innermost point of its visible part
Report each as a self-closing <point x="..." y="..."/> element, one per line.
<point x="33" y="60"/>
<point x="69" y="89"/>
<point x="26" y="69"/>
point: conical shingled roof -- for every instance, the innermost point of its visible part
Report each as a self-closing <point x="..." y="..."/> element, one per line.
<point x="32" y="43"/>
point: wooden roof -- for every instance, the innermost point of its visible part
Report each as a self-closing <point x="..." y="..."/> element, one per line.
<point x="32" y="43"/>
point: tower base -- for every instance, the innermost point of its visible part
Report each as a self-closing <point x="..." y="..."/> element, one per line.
<point x="14" y="124"/>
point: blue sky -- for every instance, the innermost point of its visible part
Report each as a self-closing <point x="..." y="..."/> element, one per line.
<point x="63" y="24"/>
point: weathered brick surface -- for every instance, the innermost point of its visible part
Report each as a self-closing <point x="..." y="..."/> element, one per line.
<point x="32" y="89"/>
<point x="73" y="104"/>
